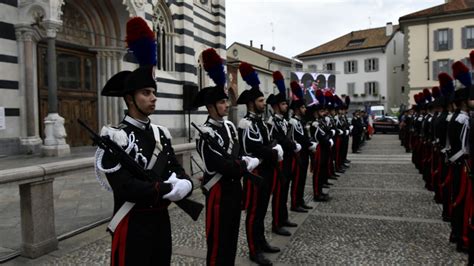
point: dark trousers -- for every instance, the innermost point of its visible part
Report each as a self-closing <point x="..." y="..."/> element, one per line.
<point x="281" y="184"/>
<point x="299" y="182"/>
<point x="143" y="237"/>
<point x="256" y="200"/>
<point x="458" y="202"/>
<point x="345" y="147"/>
<point x="356" y="142"/>
<point x="471" y="245"/>
<point x="446" y="190"/>
<point x="320" y="169"/>
<point x="223" y="213"/>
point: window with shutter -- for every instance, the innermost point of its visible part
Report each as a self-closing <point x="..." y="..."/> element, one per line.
<point x="439" y="66"/>
<point x="350" y="89"/>
<point x="450" y="39"/>
<point x="448" y="68"/>
<point x="435" y="70"/>
<point x="468" y="37"/>
<point x="366" y="88"/>
<point x="371" y="65"/>
<point x="442" y="41"/>
<point x="350" y="67"/>
<point x="435" y="40"/>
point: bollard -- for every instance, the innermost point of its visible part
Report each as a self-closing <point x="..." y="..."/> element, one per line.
<point x="37" y="218"/>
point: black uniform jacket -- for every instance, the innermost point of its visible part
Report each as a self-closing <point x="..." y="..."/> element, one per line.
<point x="141" y="144"/>
<point x="225" y="134"/>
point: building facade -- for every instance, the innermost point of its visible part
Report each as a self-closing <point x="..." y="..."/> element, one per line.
<point x="368" y="65"/>
<point x="264" y="62"/>
<point x="88" y="38"/>
<point x="434" y="39"/>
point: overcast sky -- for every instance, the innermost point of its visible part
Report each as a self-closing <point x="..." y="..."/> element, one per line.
<point x="299" y="25"/>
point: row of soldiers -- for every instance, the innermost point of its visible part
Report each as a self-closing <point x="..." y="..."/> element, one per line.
<point x="438" y="132"/>
<point x="272" y="155"/>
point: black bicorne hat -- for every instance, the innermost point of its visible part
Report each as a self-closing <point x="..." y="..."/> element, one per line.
<point x="209" y="95"/>
<point x="249" y="95"/>
<point x="295" y="104"/>
<point x="126" y="82"/>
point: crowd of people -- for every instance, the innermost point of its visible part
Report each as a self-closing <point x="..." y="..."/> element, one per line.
<point x="437" y="131"/>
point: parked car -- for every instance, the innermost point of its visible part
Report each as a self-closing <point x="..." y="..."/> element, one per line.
<point x="385" y="124"/>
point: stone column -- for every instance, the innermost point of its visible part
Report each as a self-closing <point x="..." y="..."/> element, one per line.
<point x="29" y="138"/>
<point x="55" y="133"/>
<point x="37" y="219"/>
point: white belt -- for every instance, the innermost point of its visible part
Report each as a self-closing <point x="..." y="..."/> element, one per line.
<point x="124" y="210"/>
<point x="212" y="182"/>
<point x="456" y="156"/>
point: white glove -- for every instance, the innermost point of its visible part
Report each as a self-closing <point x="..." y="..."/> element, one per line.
<point x="331" y="142"/>
<point x="333" y="132"/>
<point x="347" y="132"/>
<point x="298" y="147"/>
<point x="252" y="162"/>
<point x="172" y="179"/>
<point x="180" y="189"/>
<point x="313" y="146"/>
<point x="340" y="132"/>
<point x="280" y="152"/>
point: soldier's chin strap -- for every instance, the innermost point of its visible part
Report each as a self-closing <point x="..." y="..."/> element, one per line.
<point x="138" y="108"/>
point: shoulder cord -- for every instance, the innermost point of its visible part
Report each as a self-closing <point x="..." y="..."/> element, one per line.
<point x="98" y="168"/>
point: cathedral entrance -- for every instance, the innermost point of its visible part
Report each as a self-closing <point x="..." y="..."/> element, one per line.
<point x="77" y="91"/>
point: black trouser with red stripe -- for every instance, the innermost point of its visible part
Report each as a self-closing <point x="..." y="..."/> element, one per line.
<point x="223" y="211"/>
<point x="143" y="237"/>
<point x="459" y="184"/>
<point x="256" y="200"/>
<point x="447" y="190"/>
<point x="281" y="184"/>
<point x="299" y="182"/>
<point x="320" y="169"/>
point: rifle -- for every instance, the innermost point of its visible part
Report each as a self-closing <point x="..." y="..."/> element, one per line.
<point x="257" y="180"/>
<point x="190" y="207"/>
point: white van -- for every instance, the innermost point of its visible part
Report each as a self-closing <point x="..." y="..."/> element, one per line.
<point x="377" y="111"/>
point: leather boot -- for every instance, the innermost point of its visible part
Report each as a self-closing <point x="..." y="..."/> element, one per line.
<point x="281" y="231"/>
<point x="260" y="259"/>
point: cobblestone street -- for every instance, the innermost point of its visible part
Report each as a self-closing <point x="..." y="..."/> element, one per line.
<point x="379" y="214"/>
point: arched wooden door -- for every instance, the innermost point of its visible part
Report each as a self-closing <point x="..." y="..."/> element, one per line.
<point x="77" y="91"/>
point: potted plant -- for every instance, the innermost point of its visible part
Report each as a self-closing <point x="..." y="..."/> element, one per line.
<point x="355" y="95"/>
<point x="362" y="95"/>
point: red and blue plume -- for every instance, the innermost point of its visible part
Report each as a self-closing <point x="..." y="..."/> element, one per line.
<point x="212" y="63"/>
<point x="279" y="82"/>
<point x="141" y="41"/>
<point x="461" y="73"/>
<point x="446" y="83"/>
<point x="329" y="97"/>
<point x="471" y="57"/>
<point x="427" y="95"/>
<point x="249" y="75"/>
<point x="435" y="92"/>
<point x="320" y="96"/>
<point x="296" y="90"/>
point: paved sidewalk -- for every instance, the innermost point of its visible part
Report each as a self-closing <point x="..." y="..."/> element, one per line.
<point x="380" y="213"/>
